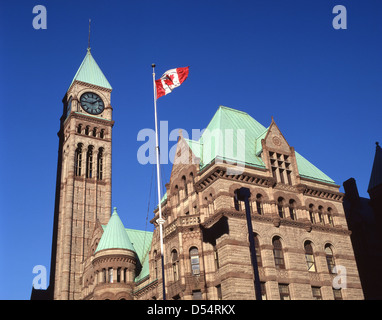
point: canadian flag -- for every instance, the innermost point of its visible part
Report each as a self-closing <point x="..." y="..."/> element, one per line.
<point x="171" y="79"/>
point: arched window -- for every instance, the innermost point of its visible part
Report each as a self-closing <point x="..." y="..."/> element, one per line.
<point x="175" y="264"/>
<point x="102" y="133"/>
<point x="280" y="207"/>
<point x="259" y="203"/>
<point x="257" y="249"/>
<point x="292" y="209"/>
<point x="100" y="164"/>
<point x="185" y="186"/>
<point x="311" y="213"/>
<point x="177" y="194"/>
<point x="155" y="265"/>
<point x="309" y="257"/>
<point x="110" y="275"/>
<point x="119" y="274"/>
<point x="78" y="160"/>
<point x="192" y="179"/>
<point x="89" y="162"/>
<point x="87" y="129"/>
<point x="329" y="258"/>
<point x="330" y="217"/>
<point x="194" y="260"/>
<point x="104" y="279"/>
<point x="239" y="205"/>
<point x="278" y="253"/>
<point x="94" y="132"/>
<point x="79" y="128"/>
<point x="321" y="214"/>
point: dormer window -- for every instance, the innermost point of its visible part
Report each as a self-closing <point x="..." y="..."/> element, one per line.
<point x="281" y="168"/>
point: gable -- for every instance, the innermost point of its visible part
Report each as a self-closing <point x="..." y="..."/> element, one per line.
<point x="274" y="139"/>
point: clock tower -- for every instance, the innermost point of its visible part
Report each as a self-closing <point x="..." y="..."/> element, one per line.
<point x="83" y="189"/>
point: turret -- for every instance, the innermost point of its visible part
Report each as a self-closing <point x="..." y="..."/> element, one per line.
<point x="114" y="263"/>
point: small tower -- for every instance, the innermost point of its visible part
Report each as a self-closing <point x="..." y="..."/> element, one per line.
<point x="83" y="185"/>
<point x="114" y="263"/>
<point x="375" y="185"/>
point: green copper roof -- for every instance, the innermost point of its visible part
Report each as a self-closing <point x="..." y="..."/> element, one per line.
<point x="141" y="241"/>
<point x="207" y="149"/>
<point x="90" y="72"/>
<point x="225" y="126"/>
<point x="115" y="235"/>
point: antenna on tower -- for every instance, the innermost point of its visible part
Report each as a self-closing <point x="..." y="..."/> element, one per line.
<point x="89" y="36"/>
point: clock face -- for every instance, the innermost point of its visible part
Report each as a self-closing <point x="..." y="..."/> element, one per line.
<point x="92" y="103"/>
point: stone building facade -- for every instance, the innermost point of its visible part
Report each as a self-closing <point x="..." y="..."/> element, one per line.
<point x="301" y="246"/>
<point x="297" y="218"/>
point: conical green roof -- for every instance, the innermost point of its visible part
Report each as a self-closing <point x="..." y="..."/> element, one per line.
<point x="90" y="72"/>
<point x="115" y="235"/>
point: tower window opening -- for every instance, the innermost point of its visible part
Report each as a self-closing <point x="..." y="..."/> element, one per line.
<point x="78" y="160"/>
<point x="89" y="162"/>
<point x="194" y="259"/>
<point x="259" y="204"/>
<point x="175" y="264"/>
<point x="100" y="164"/>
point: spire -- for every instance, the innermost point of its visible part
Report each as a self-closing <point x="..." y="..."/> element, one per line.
<point x="115" y="235"/>
<point x="90" y="72"/>
<point x="376" y="172"/>
<point x="89" y="36"/>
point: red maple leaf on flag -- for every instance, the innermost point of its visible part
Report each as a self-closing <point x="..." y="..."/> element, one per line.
<point x="169" y="80"/>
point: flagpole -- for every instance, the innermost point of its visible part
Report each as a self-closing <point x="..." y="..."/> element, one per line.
<point x="160" y="221"/>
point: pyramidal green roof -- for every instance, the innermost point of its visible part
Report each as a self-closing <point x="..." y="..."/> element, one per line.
<point x="90" y="72"/>
<point x="233" y="120"/>
<point x="115" y="235"/>
<point x="207" y="148"/>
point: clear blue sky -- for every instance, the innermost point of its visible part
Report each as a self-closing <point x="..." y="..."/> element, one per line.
<point x="266" y="57"/>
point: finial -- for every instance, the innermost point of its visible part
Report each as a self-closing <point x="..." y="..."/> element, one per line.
<point x="153" y="65"/>
<point x="377" y="143"/>
<point x="89" y="36"/>
<point x="115" y="210"/>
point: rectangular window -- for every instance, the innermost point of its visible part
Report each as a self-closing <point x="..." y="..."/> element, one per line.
<point x="197" y="295"/>
<point x="263" y="291"/>
<point x="279" y="259"/>
<point x="284" y="291"/>
<point x="289" y="177"/>
<point x="310" y="262"/>
<point x="219" y="292"/>
<point x="216" y="258"/>
<point x="316" y="292"/>
<point x="337" y="294"/>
